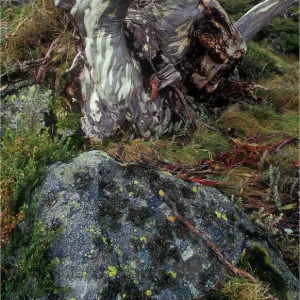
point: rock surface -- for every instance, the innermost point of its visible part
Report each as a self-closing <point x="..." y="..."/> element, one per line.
<point x="121" y="241"/>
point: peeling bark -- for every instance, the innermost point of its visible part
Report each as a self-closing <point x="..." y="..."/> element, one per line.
<point x="111" y="81"/>
<point x="141" y="54"/>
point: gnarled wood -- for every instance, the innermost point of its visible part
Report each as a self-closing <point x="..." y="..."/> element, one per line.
<point x="140" y="55"/>
<point x="114" y="90"/>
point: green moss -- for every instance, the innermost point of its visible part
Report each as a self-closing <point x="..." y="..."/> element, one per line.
<point x="258" y="261"/>
<point x="67" y="122"/>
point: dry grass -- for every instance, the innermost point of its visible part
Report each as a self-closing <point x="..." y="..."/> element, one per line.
<point x="259" y="120"/>
<point x="183" y="149"/>
<point x="241" y="289"/>
<point x="27" y="33"/>
<point x="284" y="91"/>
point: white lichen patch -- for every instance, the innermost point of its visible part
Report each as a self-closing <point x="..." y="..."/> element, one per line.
<point x="187" y="254"/>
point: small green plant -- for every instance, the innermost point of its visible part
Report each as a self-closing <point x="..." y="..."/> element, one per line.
<point x="273" y="182"/>
<point x="28" y="275"/>
<point x="24" y="157"/>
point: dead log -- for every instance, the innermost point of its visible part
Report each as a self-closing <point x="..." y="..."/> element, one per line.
<point x="136" y="52"/>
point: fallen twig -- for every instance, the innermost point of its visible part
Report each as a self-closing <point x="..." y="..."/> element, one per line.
<point x="6" y="272"/>
<point x="284" y="143"/>
<point x="48" y="56"/>
<point x="44" y="61"/>
<point x="78" y="59"/>
<point x="180" y="95"/>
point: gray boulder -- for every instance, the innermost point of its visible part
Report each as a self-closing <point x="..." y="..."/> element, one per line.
<point x="120" y="240"/>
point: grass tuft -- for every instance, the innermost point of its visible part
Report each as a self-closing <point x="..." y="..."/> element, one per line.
<point x="28" y="31"/>
<point x="182" y="149"/>
<point x="239" y="288"/>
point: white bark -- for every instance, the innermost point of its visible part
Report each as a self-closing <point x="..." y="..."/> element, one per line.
<point x="114" y="92"/>
<point x="260" y="15"/>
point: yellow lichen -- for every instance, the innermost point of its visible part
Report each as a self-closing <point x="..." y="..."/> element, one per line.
<point x="173" y="274"/>
<point x="143" y="239"/>
<point x="224" y="217"/>
<point x="218" y="214"/>
<point x="105" y="155"/>
<point x="161" y="193"/>
<point x="112" y="271"/>
<point x="148" y="293"/>
<point x="221" y="216"/>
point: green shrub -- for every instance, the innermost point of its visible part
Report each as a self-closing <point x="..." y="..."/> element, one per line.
<point x="26" y="149"/>
<point x="259" y="63"/>
<point x="29" y="275"/>
<point x="284" y="34"/>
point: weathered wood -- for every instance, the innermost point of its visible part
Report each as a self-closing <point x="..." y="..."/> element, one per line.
<point x="141" y="54"/>
<point x="114" y="90"/>
<point x="260" y="15"/>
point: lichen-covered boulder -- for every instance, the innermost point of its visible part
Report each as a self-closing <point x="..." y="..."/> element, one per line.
<point x="24" y="105"/>
<point x="120" y="239"/>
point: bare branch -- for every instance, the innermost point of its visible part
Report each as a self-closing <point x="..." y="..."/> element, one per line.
<point x="260" y="15"/>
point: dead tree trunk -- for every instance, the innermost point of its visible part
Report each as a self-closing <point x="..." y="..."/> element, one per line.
<point x="140" y="56"/>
